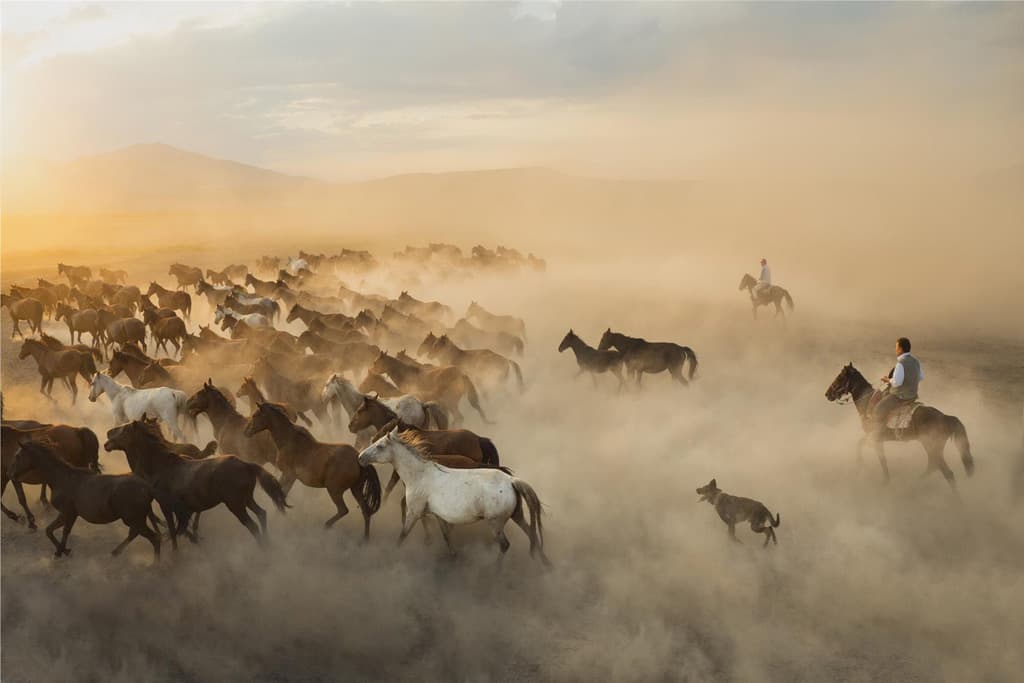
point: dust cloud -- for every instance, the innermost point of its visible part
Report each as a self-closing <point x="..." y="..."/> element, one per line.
<point x="868" y="582"/>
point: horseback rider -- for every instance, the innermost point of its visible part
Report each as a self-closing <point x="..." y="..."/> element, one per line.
<point x="903" y="380"/>
<point x="764" y="283"/>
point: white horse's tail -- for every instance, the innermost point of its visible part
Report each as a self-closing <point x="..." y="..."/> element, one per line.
<point x="527" y="495"/>
<point x="180" y="401"/>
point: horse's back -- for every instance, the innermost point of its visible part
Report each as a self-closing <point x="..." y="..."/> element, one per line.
<point x="463" y="496"/>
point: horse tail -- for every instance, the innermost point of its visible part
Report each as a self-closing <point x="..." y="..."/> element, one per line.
<point x="271" y="487"/>
<point x="436" y="412"/>
<point x="489" y="452"/>
<point x="210" y="449"/>
<point x="304" y="418"/>
<point x="777" y="521"/>
<point x="474" y="399"/>
<point x="371" y="489"/>
<point x="692" y="357"/>
<point x="90" y="446"/>
<point x="519" y="374"/>
<point x="188" y="306"/>
<point x="959" y="435"/>
<point x="506" y="470"/>
<point x="275" y="312"/>
<point x="527" y="495"/>
<point x="788" y="298"/>
<point x="517" y="345"/>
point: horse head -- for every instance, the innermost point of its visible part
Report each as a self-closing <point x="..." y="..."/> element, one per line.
<point x="567" y="340"/>
<point x="607" y="340"/>
<point x="843" y="383"/>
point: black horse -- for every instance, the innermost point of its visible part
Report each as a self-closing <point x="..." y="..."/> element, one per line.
<point x="928" y="426"/>
<point x="643" y="356"/>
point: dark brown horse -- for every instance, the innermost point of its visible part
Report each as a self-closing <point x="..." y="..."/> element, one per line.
<point x="174" y="300"/>
<point x="653" y="357"/>
<point x="229" y="426"/>
<point x="929" y="427"/>
<point x="96" y="498"/>
<point x="251" y="391"/>
<point x="446" y="385"/>
<point x="184" y="486"/>
<point x="78" y="446"/>
<point x="589" y="359"/>
<point x="460" y="442"/>
<point x="330" y="466"/>
<point x="773" y="295"/>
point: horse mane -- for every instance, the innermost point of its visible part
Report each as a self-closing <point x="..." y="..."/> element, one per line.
<point x="417" y="443"/>
<point x="279" y="409"/>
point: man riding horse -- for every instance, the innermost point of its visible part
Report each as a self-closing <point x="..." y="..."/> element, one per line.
<point x="903" y="381"/>
<point x="764" y="283"/>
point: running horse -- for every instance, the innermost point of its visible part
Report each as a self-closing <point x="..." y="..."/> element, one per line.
<point x="773" y="295"/>
<point x="642" y="356"/>
<point x="929" y="427"/>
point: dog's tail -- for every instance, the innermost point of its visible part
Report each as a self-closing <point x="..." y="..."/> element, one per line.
<point x="777" y="521"/>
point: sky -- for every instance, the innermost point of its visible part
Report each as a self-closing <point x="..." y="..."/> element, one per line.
<point x="354" y="90"/>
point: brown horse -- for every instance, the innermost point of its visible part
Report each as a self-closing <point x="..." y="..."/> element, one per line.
<point x="30" y="310"/>
<point x="78" y="446"/>
<point x="96" y="498"/>
<point x="125" y="331"/>
<point x="229" y="426"/>
<point x="113" y="277"/>
<point x="446" y="385"/>
<point x="330" y="466"/>
<point x="589" y="359"/>
<point x="86" y="320"/>
<point x="171" y="330"/>
<point x="496" y="323"/>
<point x="929" y="427"/>
<point x="653" y="357"/>
<point x="468" y="334"/>
<point x="184" y="487"/>
<point x="483" y="364"/>
<point x="174" y="300"/>
<point x="44" y="295"/>
<point x="187" y="276"/>
<point x="251" y="391"/>
<point x="428" y="310"/>
<point x="75" y="274"/>
<point x="376" y="384"/>
<point x="773" y="295"/>
<point x="65" y="364"/>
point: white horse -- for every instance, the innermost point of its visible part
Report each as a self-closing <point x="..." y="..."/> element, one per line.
<point x="128" y="403"/>
<point x="410" y="410"/>
<point x="256" y="320"/>
<point x="297" y="264"/>
<point x="458" y="496"/>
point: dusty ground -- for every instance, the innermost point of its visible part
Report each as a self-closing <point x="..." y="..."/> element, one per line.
<point x="868" y="582"/>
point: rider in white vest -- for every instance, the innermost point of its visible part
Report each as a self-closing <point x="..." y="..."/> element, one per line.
<point x="764" y="283"/>
<point x="902" y="381"/>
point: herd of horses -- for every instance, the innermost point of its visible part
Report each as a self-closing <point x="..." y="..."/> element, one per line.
<point x="338" y="373"/>
<point x="163" y="371"/>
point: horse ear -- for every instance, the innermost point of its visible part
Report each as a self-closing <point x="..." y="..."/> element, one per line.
<point x="608" y="331"/>
<point x="394" y="431"/>
<point x="714" y="484"/>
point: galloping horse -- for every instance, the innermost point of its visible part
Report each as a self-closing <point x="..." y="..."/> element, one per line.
<point x="446" y="385"/>
<point x="458" y="496"/>
<point x="931" y="428"/>
<point x="643" y="356"/>
<point x="487" y="366"/>
<point x="589" y="359"/>
<point x="128" y="403"/>
<point x="773" y="295"/>
<point x="65" y="364"/>
<point x="174" y="300"/>
<point x="229" y="425"/>
<point x="331" y="466"/>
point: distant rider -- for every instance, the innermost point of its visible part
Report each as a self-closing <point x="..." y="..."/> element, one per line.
<point x="903" y="382"/>
<point x="764" y="283"/>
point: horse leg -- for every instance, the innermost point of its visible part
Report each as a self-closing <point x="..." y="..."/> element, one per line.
<point x="339" y="502"/>
<point x="364" y="508"/>
<point x="68" y="523"/>
<point x="498" y="527"/>
<point x="936" y="460"/>
<point x="152" y="536"/>
<point x="677" y="373"/>
<point x="43" y="500"/>
<point x="409" y="519"/>
<point x="74" y="389"/>
<point x="446" y="530"/>
<point x="880" y="452"/>
<point x="49" y="533"/>
<point x="132" y="533"/>
<point x="170" y="519"/>
<point x="20" y="492"/>
<point x="860" y="450"/>
<point x="286" y="481"/>
<point x="239" y="511"/>
<point x="732" y="533"/>
<point x="260" y="513"/>
<point x="391" y="484"/>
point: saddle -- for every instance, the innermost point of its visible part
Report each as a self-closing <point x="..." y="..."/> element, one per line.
<point x="899" y="417"/>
